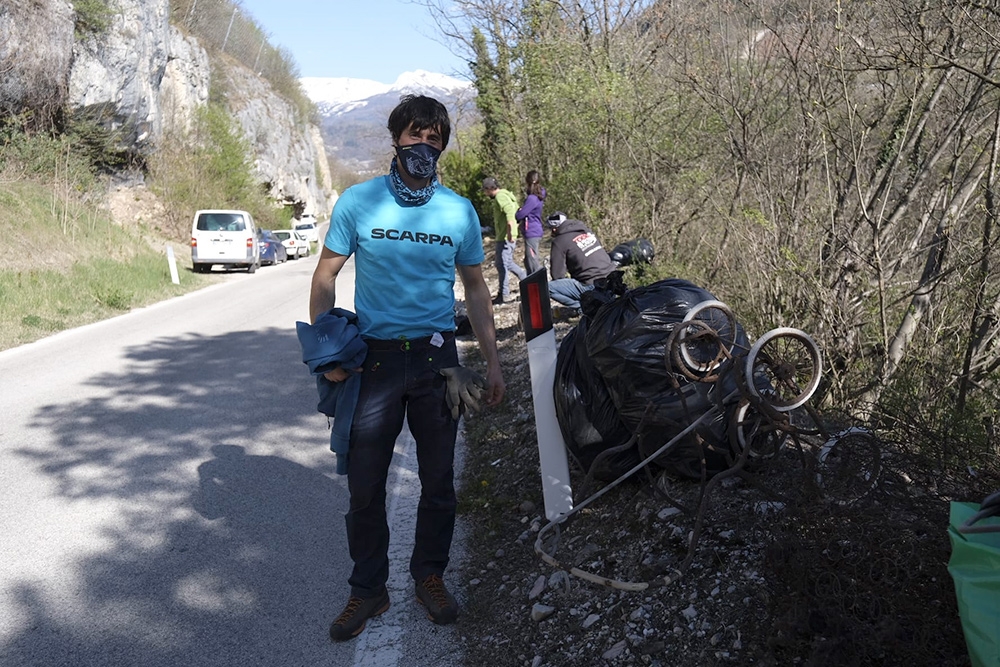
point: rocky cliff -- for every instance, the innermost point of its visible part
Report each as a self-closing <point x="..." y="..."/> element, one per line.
<point x="144" y="78"/>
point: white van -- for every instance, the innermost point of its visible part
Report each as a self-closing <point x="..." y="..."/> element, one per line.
<point x="228" y="238"/>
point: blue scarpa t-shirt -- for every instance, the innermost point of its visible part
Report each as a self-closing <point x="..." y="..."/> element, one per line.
<point x="405" y="256"/>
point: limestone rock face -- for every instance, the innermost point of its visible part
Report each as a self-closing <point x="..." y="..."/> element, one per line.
<point x="285" y="146"/>
<point x="115" y="77"/>
<point x="36" y="49"/>
<point x="144" y="77"/>
<point x="185" y="83"/>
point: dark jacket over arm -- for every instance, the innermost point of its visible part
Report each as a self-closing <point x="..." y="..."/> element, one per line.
<point x="334" y="341"/>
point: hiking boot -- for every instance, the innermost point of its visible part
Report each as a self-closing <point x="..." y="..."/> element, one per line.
<point x="352" y="620"/>
<point x="438" y="602"/>
<point x="498" y="300"/>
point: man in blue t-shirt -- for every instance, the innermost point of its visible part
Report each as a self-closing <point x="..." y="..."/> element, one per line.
<point x="408" y="234"/>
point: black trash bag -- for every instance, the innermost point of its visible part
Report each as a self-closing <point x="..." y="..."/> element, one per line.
<point x="605" y="291"/>
<point x="706" y="449"/>
<point x="587" y="416"/>
<point x="463" y="326"/>
<point x="637" y="251"/>
<point x="626" y="341"/>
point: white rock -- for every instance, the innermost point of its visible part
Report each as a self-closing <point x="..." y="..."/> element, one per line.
<point x="614" y="651"/>
<point x="667" y="512"/>
<point x="690" y="613"/>
<point x="590" y="620"/>
<point x="559" y="579"/>
<point x="540" y="612"/>
<point x="538" y="587"/>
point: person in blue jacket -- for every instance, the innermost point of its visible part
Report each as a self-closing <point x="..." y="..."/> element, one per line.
<point x="529" y="219"/>
<point x="408" y="235"/>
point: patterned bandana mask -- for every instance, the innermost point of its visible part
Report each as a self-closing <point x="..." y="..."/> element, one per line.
<point x="419" y="160"/>
<point x="421" y="196"/>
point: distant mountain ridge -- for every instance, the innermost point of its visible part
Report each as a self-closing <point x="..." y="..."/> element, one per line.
<point x="353" y="112"/>
<point x="335" y="95"/>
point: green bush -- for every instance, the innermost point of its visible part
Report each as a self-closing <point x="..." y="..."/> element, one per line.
<point x="113" y="297"/>
<point x="91" y="17"/>
<point x="97" y="137"/>
<point x="43" y="155"/>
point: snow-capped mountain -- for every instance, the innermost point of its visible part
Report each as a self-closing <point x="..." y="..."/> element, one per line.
<point x="339" y="95"/>
<point x="353" y="112"/>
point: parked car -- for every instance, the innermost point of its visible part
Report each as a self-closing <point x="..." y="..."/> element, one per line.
<point x="295" y="243"/>
<point x="307" y="227"/>
<point x="225" y="237"/>
<point x="272" y="250"/>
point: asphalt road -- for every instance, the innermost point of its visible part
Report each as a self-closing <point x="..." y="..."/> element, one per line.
<point x="168" y="497"/>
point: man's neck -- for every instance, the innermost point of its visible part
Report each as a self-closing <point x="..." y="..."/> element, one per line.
<point x="411" y="182"/>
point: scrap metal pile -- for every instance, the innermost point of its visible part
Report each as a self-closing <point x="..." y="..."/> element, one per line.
<point x="665" y="371"/>
<point x="663" y="376"/>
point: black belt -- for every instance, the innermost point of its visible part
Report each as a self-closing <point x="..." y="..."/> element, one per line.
<point x="406" y="344"/>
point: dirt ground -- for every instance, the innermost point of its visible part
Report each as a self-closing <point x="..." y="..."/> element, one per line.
<point x="796" y="561"/>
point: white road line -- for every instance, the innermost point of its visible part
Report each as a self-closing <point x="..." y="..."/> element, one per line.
<point x="381" y="644"/>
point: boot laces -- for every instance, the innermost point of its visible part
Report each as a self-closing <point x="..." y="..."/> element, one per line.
<point x="353" y="603"/>
<point x="434" y="585"/>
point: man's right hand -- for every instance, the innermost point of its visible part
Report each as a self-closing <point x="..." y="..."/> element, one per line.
<point x="339" y="374"/>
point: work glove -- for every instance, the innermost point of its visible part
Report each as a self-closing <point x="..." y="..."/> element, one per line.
<point x="464" y="386"/>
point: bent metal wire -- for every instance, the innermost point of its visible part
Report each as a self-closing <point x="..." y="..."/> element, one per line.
<point x="776" y="375"/>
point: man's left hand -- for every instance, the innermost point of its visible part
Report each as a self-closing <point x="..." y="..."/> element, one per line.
<point x="495" y="387"/>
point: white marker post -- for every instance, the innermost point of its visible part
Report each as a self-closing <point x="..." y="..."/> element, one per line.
<point x="172" y="261"/>
<point x="536" y="317"/>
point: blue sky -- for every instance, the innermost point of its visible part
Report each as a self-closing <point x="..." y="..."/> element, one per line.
<point x="363" y="39"/>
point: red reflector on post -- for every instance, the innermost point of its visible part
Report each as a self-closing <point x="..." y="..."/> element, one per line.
<point x="535" y="305"/>
<point x="536" y="311"/>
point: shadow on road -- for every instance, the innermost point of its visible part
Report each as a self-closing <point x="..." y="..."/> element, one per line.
<point x="204" y="552"/>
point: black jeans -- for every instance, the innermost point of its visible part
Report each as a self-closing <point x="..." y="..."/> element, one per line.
<point x="401" y="378"/>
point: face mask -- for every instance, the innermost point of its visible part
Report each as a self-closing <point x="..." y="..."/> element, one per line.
<point x="419" y="160"/>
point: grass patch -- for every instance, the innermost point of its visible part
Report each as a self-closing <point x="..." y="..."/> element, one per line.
<point x="45" y="229"/>
<point x="65" y="264"/>
<point x="40" y="302"/>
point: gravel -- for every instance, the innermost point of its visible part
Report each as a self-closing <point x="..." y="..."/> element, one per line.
<point x="780" y="573"/>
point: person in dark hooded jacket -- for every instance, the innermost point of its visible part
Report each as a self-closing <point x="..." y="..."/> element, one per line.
<point x="575" y="249"/>
<point x="529" y="220"/>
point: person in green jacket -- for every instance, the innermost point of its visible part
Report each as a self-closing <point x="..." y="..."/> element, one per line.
<point x="505" y="226"/>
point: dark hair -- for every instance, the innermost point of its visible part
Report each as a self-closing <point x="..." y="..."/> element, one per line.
<point x="533" y="181"/>
<point x="422" y="112"/>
